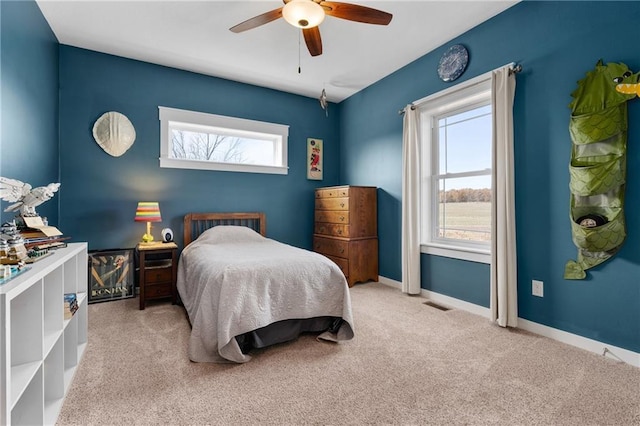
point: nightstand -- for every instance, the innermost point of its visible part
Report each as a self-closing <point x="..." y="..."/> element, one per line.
<point x="158" y="271"/>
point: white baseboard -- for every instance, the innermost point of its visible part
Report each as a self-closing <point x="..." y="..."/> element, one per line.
<point x="595" y="346"/>
<point x="441" y="299"/>
<point x="600" y="348"/>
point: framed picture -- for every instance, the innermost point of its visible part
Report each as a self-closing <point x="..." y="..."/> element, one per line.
<point x="314" y="159"/>
<point x="111" y="275"/>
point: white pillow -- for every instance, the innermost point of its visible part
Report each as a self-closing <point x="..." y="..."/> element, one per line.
<point x="230" y="234"/>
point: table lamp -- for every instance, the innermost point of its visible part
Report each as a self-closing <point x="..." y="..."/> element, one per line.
<point x="148" y="211"/>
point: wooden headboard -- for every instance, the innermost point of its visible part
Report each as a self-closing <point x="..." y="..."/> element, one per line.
<point x="196" y="223"/>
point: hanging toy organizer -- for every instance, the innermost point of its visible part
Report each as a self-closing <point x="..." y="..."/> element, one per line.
<point x="598" y="130"/>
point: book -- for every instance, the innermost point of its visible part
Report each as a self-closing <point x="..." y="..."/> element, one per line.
<point x="69" y="314"/>
<point x="37" y="225"/>
<point x="70" y="305"/>
<point x="46" y="242"/>
<point x="37" y="235"/>
<point x="70" y="310"/>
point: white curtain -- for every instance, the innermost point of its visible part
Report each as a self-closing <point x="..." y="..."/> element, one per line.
<point x="504" y="297"/>
<point x="410" y="202"/>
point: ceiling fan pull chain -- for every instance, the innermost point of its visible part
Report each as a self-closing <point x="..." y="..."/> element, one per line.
<point x="299" y="37"/>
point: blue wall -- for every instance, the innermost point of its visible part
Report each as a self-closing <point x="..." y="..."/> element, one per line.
<point x="101" y="192"/>
<point x="556" y="43"/>
<point x="28" y="101"/>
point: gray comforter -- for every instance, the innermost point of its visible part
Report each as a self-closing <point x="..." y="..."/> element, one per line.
<point x="232" y="281"/>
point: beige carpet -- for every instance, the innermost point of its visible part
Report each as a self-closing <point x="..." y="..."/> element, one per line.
<point x="409" y="364"/>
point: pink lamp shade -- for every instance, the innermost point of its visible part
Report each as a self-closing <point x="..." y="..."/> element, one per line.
<point x="148" y="211"/>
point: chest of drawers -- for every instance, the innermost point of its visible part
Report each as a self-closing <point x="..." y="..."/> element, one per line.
<point x="346" y="230"/>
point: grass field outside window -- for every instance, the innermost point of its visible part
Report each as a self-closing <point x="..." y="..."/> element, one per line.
<point x="470" y="221"/>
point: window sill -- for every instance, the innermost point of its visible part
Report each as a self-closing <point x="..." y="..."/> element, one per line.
<point x="462" y="253"/>
<point x="173" y="163"/>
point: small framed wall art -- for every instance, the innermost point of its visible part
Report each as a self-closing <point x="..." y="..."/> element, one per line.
<point x="111" y="275"/>
<point x="314" y="159"/>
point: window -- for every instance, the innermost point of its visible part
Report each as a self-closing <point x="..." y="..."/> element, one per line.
<point x="196" y="140"/>
<point x="456" y="143"/>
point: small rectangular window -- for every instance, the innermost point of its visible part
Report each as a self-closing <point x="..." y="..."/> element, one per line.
<point x="195" y="140"/>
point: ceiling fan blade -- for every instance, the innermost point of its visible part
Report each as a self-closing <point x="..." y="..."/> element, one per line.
<point x="313" y="40"/>
<point x="354" y="12"/>
<point x="256" y="21"/>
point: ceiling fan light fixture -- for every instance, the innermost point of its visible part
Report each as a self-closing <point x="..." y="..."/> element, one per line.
<point x="303" y="13"/>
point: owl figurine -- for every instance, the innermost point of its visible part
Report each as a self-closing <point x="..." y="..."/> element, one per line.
<point x="25" y="198"/>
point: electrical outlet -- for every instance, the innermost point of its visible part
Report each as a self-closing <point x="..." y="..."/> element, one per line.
<point x="537" y="288"/>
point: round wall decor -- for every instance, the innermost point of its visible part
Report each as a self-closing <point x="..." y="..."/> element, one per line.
<point x="453" y="63"/>
<point x="114" y="133"/>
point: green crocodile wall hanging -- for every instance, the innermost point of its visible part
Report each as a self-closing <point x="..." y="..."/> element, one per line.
<point x="598" y="130"/>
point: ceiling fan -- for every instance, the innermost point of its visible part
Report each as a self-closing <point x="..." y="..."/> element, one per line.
<point x="308" y="14"/>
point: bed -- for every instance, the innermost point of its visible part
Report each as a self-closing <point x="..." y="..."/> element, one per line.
<point x="244" y="291"/>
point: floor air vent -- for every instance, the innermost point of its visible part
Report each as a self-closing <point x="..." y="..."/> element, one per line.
<point x="435" y="305"/>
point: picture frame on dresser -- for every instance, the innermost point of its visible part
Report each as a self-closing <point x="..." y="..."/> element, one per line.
<point x="111" y="274"/>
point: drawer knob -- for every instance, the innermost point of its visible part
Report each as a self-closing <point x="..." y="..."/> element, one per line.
<point x="342" y="218"/>
<point x="339" y="231"/>
<point x="341" y="251"/>
<point x="331" y="194"/>
<point x="341" y="204"/>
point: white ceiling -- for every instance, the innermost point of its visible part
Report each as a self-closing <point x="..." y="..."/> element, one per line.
<point x="195" y="36"/>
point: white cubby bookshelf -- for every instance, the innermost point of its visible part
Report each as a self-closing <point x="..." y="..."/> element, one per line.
<point x="39" y="349"/>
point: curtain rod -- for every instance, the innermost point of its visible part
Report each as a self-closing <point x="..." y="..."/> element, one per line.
<point x="514" y="69"/>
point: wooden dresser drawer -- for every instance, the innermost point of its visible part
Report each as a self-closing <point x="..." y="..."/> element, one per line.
<point x="332" y="229"/>
<point x="338" y="203"/>
<point x="343" y="264"/>
<point x="332" y="216"/>
<point x="331" y="247"/>
<point x="158" y="275"/>
<point x="158" y="290"/>
<point x="332" y="192"/>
